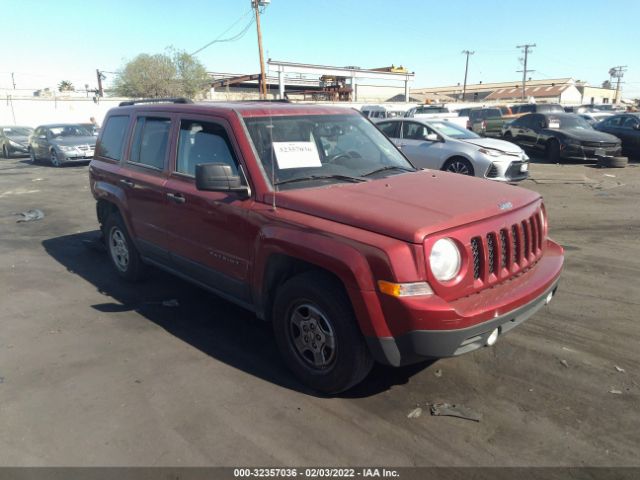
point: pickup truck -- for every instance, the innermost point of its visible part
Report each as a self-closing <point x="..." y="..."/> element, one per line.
<point x="435" y="112"/>
<point x="311" y="218"/>
<point x="489" y="121"/>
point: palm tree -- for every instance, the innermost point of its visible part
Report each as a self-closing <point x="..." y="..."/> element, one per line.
<point x="66" y="86"/>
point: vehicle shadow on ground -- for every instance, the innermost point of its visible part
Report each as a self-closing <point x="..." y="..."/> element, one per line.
<point x="214" y="326"/>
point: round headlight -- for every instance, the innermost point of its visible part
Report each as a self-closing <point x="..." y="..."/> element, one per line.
<point x="445" y="259"/>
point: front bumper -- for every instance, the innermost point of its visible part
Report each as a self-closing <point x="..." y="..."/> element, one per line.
<point x="17" y="150"/>
<point x="588" y="153"/>
<point x="75" y="156"/>
<point x="506" y="169"/>
<point x="429" y="327"/>
<point x="422" y="344"/>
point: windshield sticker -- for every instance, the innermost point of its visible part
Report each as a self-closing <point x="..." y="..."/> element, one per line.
<point x="296" y="155"/>
<point x="554" y="125"/>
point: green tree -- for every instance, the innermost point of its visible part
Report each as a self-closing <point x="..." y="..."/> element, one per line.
<point x="170" y="74"/>
<point x="66" y="86"/>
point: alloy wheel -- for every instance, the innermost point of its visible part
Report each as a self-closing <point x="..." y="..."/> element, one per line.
<point x="458" y="166"/>
<point x="119" y="249"/>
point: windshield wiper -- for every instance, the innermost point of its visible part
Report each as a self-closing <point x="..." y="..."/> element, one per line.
<point x="388" y="167"/>
<point x="346" y="178"/>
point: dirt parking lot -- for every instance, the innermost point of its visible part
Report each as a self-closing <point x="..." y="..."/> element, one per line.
<point x="97" y="372"/>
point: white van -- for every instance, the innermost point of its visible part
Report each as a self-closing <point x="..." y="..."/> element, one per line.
<point x="385" y="111"/>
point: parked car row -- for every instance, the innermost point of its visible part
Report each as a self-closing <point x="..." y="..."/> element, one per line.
<point x="57" y="144"/>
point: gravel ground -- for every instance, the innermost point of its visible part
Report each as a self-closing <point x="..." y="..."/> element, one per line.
<point x="97" y="372"/>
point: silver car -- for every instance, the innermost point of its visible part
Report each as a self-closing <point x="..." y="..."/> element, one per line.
<point x="61" y="144"/>
<point x="442" y="145"/>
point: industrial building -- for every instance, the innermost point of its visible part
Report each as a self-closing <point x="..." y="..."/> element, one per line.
<point x="301" y="81"/>
<point x="554" y="90"/>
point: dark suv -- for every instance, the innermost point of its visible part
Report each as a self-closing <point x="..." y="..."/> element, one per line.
<point x="311" y="218"/>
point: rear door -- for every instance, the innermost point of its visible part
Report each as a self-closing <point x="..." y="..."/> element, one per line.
<point x="629" y="134"/>
<point x="208" y="231"/>
<point x="143" y="178"/>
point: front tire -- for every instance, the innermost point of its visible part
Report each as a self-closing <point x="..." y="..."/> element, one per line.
<point x="317" y="333"/>
<point x="122" y="252"/>
<point x="459" y="165"/>
<point x="553" y="151"/>
<point x="55" y="161"/>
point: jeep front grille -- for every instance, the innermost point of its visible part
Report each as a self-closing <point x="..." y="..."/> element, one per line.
<point x="502" y="253"/>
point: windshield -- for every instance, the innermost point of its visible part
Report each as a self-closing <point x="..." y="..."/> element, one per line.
<point x="568" y="121"/>
<point x="449" y="129"/>
<point x="17" y="131"/>
<point x="329" y="148"/>
<point x="69" y="131"/>
<point x="432" y="110"/>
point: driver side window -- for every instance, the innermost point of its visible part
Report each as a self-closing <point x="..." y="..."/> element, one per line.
<point x="414" y="131"/>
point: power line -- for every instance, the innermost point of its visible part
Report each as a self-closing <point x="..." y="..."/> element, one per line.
<point x="239" y="35"/>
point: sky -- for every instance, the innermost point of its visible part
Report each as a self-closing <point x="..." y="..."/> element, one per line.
<point x="47" y="42"/>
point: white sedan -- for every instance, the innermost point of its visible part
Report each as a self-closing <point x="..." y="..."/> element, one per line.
<point x="442" y="145"/>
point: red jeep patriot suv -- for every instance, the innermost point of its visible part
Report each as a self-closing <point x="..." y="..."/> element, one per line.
<point x="311" y="218"/>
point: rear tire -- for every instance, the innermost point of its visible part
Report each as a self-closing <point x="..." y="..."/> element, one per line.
<point x="318" y="335"/>
<point x="122" y="252"/>
<point x="613" y="162"/>
<point x="553" y="151"/>
<point x="459" y="165"/>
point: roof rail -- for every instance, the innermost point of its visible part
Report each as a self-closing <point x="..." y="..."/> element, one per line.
<point x="155" y="100"/>
<point x="275" y="100"/>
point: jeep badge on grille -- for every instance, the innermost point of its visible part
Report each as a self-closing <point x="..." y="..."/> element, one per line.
<point x="505" y="205"/>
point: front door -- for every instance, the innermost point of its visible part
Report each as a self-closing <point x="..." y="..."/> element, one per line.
<point x="423" y="153"/>
<point x="208" y="231"/>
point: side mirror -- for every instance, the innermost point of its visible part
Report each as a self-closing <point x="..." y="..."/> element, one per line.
<point x="42" y="137"/>
<point x="218" y="177"/>
<point x="432" y="137"/>
<point x="636" y="126"/>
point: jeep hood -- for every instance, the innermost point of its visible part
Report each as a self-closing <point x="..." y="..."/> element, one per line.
<point x="408" y="206"/>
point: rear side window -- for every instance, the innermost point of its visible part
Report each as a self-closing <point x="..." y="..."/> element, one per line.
<point x="113" y="137"/>
<point x="494" y="112"/>
<point x="150" y="141"/>
<point x="527" y="109"/>
<point x="203" y="142"/>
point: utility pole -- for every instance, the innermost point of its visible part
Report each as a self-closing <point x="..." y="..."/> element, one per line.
<point x="526" y="49"/>
<point x="618" y="73"/>
<point x="256" y="4"/>
<point x="466" y="69"/>
<point x="100" y="76"/>
<point x="13" y="80"/>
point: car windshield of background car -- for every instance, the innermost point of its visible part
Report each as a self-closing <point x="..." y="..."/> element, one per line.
<point x="70" y="131"/>
<point x="571" y="122"/>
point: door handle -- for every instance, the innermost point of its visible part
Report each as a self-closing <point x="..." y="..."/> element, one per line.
<point x="128" y="183"/>
<point x="176" y="197"/>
